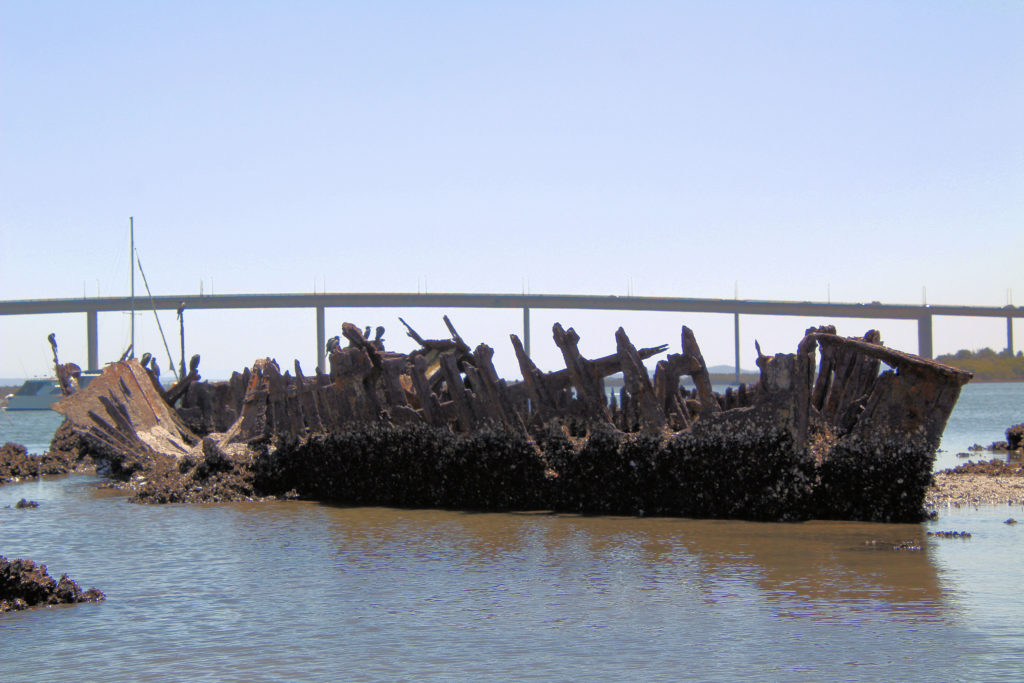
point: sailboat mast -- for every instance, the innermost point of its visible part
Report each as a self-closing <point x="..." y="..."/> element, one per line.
<point x="131" y="259"/>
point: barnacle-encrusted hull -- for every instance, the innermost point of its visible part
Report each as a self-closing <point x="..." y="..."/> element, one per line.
<point x="820" y="435"/>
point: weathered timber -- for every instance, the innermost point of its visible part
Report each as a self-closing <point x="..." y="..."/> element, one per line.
<point x="351" y="374"/>
<point x="460" y="345"/>
<point x="429" y="403"/>
<point x="430" y="347"/>
<point x="123" y="412"/>
<point x="178" y="390"/>
<point x="803" y="382"/>
<point x="666" y="386"/>
<point x="393" y="368"/>
<point x="601" y="367"/>
<point x="457" y="392"/>
<point x="853" y="375"/>
<point x="825" y="369"/>
<point x="492" y="390"/>
<point x="536" y="383"/>
<point x="255" y="418"/>
<point x="917" y="394"/>
<point x="588" y="385"/>
<point x="652" y="416"/>
<point x="699" y="373"/>
<point x="307" y="396"/>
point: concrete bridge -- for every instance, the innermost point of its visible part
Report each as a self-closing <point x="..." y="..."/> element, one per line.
<point x="91" y="307"/>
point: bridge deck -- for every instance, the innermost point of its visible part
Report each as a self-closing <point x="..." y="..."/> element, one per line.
<point x="921" y="313"/>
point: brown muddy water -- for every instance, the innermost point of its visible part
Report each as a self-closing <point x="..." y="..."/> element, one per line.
<point x="302" y="591"/>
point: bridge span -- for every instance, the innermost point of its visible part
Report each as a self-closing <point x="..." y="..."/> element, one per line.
<point x="923" y="314"/>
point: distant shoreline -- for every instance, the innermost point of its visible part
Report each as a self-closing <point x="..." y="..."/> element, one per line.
<point x="1008" y="380"/>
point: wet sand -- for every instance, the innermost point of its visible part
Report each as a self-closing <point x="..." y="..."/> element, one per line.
<point x="993" y="482"/>
<point x="958" y="490"/>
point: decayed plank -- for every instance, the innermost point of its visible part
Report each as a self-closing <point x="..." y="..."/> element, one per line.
<point x="803" y="390"/>
<point x="135" y="411"/>
<point x="862" y="379"/>
<point x="252" y="420"/>
<point x="172" y="395"/>
<point x="826" y="367"/>
<point x="601" y="367"/>
<point x="460" y="345"/>
<point x="536" y="383"/>
<point x="699" y="373"/>
<point x="652" y="418"/>
<point x="393" y="367"/>
<point x="430" y="405"/>
<point x="666" y="385"/>
<point x="457" y="392"/>
<point x="307" y="398"/>
<point x="589" y="387"/>
<point x="854" y="374"/>
<point x="354" y="386"/>
<point x="495" y="391"/>
<point x="430" y="348"/>
<point x="332" y="408"/>
<point x="483" y="380"/>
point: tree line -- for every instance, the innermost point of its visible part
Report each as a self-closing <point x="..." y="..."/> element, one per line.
<point x="988" y="365"/>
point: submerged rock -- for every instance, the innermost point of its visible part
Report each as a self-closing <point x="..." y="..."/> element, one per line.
<point x="950" y="534"/>
<point x="16" y="463"/>
<point x="1015" y="437"/>
<point x="24" y="584"/>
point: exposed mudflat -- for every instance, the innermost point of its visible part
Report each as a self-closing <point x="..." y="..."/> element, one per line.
<point x="993" y="482"/>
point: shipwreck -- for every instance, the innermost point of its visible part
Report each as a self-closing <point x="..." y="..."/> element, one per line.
<point x="843" y="428"/>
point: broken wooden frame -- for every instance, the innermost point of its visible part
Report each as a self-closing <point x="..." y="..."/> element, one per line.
<point x="446" y="385"/>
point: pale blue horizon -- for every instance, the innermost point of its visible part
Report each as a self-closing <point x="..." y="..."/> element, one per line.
<point x="856" y="151"/>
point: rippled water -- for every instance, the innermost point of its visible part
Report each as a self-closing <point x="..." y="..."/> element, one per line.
<point x="981" y="416"/>
<point x="33" y="429"/>
<point x="301" y="591"/>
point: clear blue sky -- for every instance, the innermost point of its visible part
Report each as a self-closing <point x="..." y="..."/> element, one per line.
<point x="856" y="151"/>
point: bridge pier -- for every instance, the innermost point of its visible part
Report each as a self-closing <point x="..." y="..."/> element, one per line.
<point x="92" y="341"/>
<point x="321" y="342"/>
<point x="526" y="330"/>
<point x="924" y="336"/>
<point x="736" y="330"/>
<point x="1009" y="334"/>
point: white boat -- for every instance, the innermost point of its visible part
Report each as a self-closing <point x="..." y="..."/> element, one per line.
<point x="40" y="394"/>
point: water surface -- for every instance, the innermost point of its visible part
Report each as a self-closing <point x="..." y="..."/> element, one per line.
<point x="302" y="591"/>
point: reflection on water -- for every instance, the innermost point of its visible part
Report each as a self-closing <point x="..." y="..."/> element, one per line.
<point x="297" y="590"/>
<point x="794" y="566"/>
